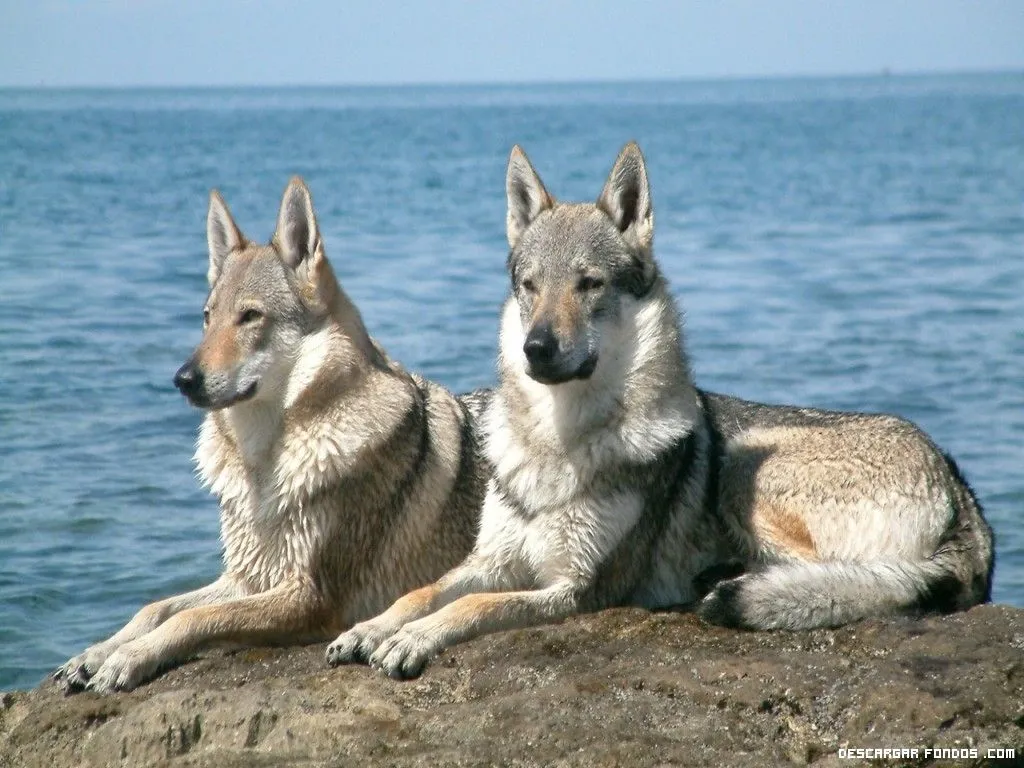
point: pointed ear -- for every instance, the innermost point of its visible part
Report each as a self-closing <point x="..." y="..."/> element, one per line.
<point x="222" y="235"/>
<point x="297" y="236"/>
<point x="527" y="198"/>
<point x="626" y="197"/>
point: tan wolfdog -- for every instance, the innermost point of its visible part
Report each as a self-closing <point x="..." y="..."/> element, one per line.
<point x="617" y="481"/>
<point x="343" y="481"/>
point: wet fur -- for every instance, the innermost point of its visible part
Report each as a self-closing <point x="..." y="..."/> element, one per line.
<point x="343" y="480"/>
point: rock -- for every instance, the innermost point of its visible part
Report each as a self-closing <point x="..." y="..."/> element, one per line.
<point x="622" y="687"/>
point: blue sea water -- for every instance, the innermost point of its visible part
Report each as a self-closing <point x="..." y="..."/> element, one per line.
<point x="843" y="243"/>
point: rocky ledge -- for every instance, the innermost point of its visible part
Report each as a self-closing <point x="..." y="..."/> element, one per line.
<point x="622" y="687"/>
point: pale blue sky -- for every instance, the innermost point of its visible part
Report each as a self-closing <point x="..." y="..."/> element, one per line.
<point x="236" y="42"/>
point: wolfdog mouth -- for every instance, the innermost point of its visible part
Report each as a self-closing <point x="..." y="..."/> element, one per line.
<point x="551" y="377"/>
<point x="247" y="393"/>
<point x="202" y="401"/>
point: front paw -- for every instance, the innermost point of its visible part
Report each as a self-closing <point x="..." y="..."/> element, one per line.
<point x="125" y="669"/>
<point x="357" y="644"/>
<point x="404" y="654"/>
<point x="77" y="671"/>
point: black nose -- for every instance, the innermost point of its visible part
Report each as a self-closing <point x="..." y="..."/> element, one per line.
<point x="188" y="378"/>
<point x="541" y="345"/>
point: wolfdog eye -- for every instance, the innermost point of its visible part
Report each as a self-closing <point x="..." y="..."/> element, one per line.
<point x="206" y="317"/>
<point x="249" y="316"/>
<point x="529" y="286"/>
<point x="588" y="283"/>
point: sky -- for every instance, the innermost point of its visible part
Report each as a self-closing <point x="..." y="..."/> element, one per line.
<point x="311" y="42"/>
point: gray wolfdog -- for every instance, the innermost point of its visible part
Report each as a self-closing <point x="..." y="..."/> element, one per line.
<point x="617" y="481"/>
<point x="343" y="481"/>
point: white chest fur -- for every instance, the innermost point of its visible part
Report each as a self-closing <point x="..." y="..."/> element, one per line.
<point x="539" y="547"/>
<point x="269" y="528"/>
<point x="554" y="447"/>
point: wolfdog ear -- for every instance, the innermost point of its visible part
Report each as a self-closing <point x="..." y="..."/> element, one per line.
<point x="626" y="197"/>
<point x="527" y="198"/>
<point x="222" y="235"/>
<point x="297" y="236"/>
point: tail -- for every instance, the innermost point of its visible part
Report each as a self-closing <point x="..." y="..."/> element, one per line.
<point x="806" y="595"/>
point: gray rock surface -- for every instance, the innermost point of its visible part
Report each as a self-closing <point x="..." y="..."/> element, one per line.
<point x="622" y="687"/>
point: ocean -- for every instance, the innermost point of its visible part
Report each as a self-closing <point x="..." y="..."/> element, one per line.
<point x="852" y="243"/>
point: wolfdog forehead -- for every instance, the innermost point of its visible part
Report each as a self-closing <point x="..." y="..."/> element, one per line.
<point x="256" y="270"/>
<point x="572" y="236"/>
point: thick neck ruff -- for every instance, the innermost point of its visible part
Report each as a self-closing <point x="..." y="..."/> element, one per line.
<point x="639" y="402"/>
<point x="268" y="460"/>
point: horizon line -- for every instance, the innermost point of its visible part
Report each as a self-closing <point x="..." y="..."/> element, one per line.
<point x="883" y="73"/>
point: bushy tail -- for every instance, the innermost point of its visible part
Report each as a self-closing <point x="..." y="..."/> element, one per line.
<point x="809" y="595"/>
<point x="805" y="595"/>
